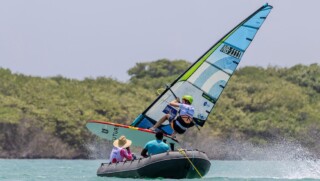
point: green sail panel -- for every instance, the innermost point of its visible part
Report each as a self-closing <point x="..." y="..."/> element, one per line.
<point x="206" y="79"/>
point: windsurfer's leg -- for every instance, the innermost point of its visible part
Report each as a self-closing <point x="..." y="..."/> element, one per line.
<point x="163" y="119"/>
<point x="173" y="135"/>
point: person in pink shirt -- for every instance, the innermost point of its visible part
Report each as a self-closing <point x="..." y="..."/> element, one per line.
<point x="121" y="150"/>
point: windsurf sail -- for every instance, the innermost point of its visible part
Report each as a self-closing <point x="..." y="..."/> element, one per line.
<point x="208" y="76"/>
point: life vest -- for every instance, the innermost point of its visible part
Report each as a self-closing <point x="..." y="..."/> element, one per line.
<point x="179" y="125"/>
<point x="186" y="110"/>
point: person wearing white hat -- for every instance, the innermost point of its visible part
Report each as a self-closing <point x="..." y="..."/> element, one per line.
<point x="121" y="150"/>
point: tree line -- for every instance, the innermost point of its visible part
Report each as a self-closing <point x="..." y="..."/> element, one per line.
<point x="46" y="117"/>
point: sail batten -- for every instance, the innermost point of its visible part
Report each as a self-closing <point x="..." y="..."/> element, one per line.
<point x="247" y="26"/>
<point x="218" y="67"/>
<point x="206" y="78"/>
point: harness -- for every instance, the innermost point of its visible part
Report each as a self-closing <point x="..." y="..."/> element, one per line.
<point x="178" y="120"/>
<point x="179" y="124"/>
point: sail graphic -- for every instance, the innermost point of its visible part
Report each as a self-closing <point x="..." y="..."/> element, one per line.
<point x="208" y="76"/>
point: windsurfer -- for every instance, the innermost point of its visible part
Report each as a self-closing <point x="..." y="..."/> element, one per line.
<point x="185" y="118"/>
<point x="121" y="150"/>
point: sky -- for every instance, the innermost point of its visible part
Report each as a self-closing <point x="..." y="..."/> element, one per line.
<point x="87" y="39"/>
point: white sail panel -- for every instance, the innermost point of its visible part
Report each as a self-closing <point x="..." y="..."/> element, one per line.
<point x="210" y="79"/>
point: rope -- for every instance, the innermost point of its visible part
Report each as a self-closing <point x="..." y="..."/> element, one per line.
<point x="184" y="153"/>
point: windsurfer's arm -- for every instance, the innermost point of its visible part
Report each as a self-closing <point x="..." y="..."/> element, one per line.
<point x="175" y="103"/>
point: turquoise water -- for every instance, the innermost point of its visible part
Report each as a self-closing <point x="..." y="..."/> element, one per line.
<point x="85" y="170"/>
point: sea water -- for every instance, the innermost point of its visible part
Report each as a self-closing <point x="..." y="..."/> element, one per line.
<point x="85" y="170"/>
